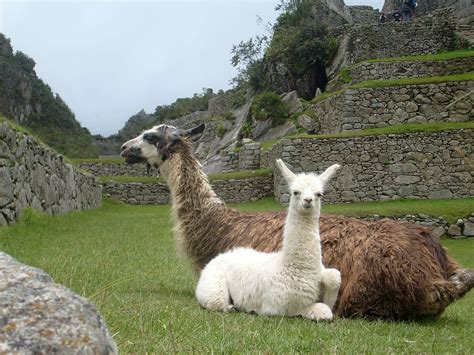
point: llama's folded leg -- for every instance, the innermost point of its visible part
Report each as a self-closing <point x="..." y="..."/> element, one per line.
<point x="212" y="293"/>
<point x="331" y="282"/>
<point x="317" y="312"/>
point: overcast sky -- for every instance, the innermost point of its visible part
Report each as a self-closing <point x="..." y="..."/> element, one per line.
<point x="109" y="59"/>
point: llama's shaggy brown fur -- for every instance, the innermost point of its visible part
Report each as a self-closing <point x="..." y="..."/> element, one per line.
<point x="389" y="269"/>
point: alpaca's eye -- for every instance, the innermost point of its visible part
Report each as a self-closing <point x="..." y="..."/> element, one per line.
<point x="296" y="193"/>
<point x="319" y="194"/>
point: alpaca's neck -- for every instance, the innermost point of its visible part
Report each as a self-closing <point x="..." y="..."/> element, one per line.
<point x="189" y="187"/>
<point x="301" y="241"/>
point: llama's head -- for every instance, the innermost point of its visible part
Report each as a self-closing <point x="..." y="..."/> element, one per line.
<point x="156" y="145"/>
<point x="306" y="189"/>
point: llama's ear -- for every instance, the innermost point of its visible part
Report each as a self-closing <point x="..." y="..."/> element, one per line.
<point x="194" y="133"/>
<point x="288" y="175"/>
<point x="329" y="172"/>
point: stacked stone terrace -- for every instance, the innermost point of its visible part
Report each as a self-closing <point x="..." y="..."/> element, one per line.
<point x="34" y="176"/>
<point x="409" y="165"/>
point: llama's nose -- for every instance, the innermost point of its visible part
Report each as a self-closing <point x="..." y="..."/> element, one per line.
<point x="124" y="146"/>
<point x="308" y="200"/>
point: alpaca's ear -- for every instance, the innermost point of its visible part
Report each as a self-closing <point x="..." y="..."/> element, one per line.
<point x="329" y="172"/>
<point x="194" y="133"/>
<point x="288" y="175"/>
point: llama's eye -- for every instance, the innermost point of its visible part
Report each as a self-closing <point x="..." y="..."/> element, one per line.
<point x="296" y="193"/>
<point x="319" y="194"/>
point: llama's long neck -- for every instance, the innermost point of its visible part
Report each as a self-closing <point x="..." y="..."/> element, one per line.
<point x="192" y="198"/>
<point x="189" y="186"/>
<point x="301" y="241"/>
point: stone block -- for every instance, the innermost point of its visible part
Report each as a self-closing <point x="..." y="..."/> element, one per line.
<point x="44" y="317"/>
<point x="468" y="228"/>
<point x="438" y="232"/>
<point x="407" y="179"/>
<point x="454" y="230"/>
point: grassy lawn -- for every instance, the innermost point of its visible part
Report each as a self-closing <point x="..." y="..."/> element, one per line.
<point x="123" y="258"/>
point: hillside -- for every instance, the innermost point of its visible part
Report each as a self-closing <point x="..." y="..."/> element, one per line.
<point x="28" y="101"/>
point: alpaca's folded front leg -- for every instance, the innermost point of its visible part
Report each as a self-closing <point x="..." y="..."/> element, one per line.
<point x="317" y="312"/>
<point x="330" y="282"/>
<point x="212" y="293"/>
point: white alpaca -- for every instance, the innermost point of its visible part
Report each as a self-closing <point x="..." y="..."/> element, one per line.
<point x="291" y="282"/>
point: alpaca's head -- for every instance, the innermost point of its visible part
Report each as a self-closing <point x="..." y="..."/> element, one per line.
<point x="157" y="144"/>
<point x="306" y="189"/>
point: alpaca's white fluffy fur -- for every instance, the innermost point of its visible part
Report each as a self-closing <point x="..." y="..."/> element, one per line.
<point x="291" y="282"/>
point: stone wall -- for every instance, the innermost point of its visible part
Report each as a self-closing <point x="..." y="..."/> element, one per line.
<point x="32" y="175"/>
<point x="380" y="107"/>
<point x="426" y="35"/>
<point x="415" y="165"/>
<point x="114" y="169"/>
<point x="249" y="156"/>
<point x="231" y="191"/>
<point x="404" y="69"/>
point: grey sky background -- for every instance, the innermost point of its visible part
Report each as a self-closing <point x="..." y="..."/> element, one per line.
<point x="109" y="59"/>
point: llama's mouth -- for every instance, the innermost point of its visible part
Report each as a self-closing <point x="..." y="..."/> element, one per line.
<point x="135" y="159"/>
<point x="133" y="156"/>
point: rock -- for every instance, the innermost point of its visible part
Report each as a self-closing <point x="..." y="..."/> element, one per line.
<point x="407" y="179"/>
<point x="317" y="93"/>
<point x="6" y="187"/>
<point x="438" y="232"/>
<point x="460" y="222"/>
<point x="40" y="316"/>
<point x="307" y="123"/>
<point x="293" y="102"/>
<point x="468" y="229"/>
<point x="454" y="230"/>
<point x="411" y="107"/>
<point x="445" y="193"/>
<point x="278" y="132"/>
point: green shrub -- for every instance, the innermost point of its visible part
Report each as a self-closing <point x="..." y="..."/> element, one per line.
<point x="269" y="105"/>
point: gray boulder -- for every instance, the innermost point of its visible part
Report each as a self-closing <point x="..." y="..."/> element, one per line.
<point x="293" y="102"/>
<point x="40" y="316"/>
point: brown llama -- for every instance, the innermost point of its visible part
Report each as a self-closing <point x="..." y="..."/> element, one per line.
<point x="390" y="269"/>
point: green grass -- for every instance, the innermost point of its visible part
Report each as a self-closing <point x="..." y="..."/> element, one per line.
<point x="395" y="129"/>
<point x="238" y="175"/>
<point x="123" y="258"/>
<point x="398" y="82"/>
